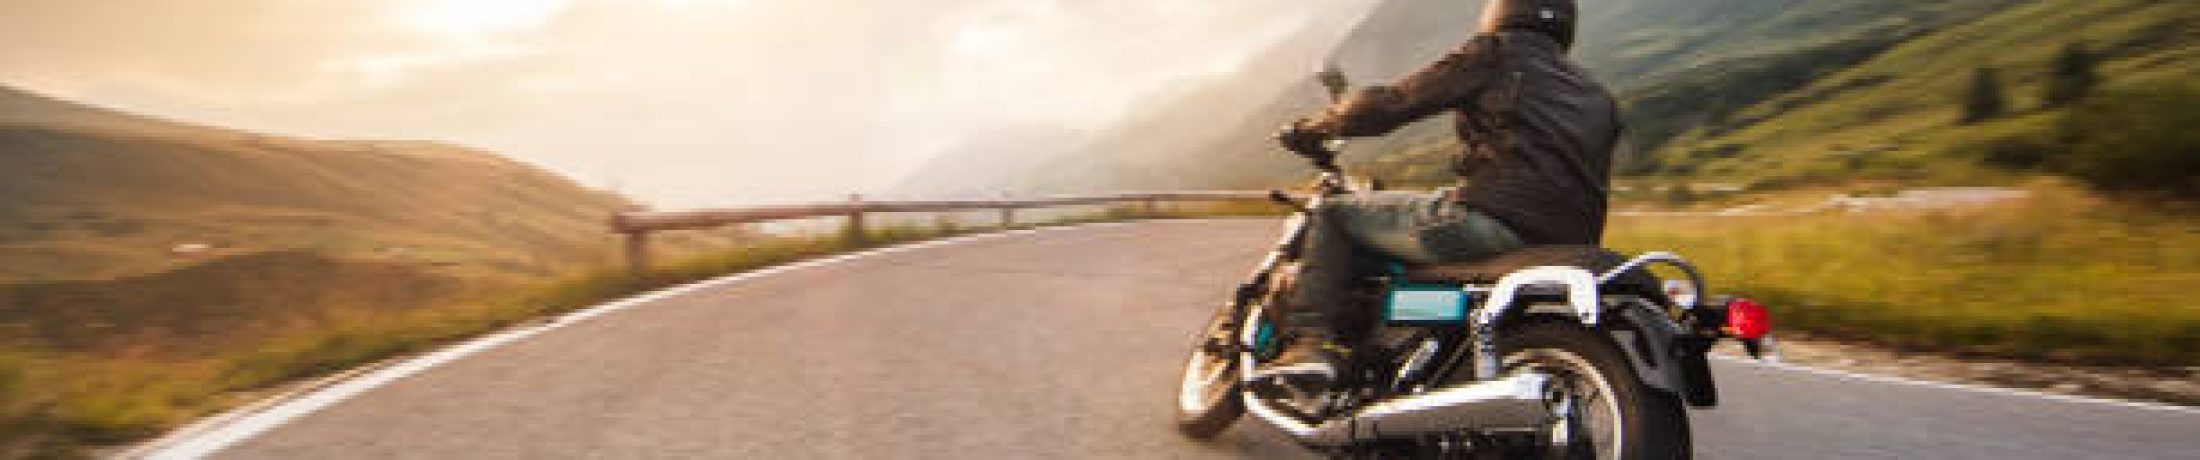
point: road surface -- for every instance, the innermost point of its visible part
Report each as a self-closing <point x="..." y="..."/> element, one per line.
<point x="1045" y="344"/>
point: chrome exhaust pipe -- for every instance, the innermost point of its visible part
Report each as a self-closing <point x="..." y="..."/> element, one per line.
<point x="1511" y="402"/>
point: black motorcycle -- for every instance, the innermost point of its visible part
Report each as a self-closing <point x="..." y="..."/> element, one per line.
<point x="1545" y="352"/>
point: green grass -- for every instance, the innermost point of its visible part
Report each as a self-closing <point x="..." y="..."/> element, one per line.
<point x="1896" y="115"/>
<point x="2061" y="277"/>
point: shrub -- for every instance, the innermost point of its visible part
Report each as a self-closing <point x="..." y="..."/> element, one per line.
<point x="1985" y="100"/>
<point x="2074" y="73"/>
<point x="2136" y="140"/>
<point x="2014" y="151"/>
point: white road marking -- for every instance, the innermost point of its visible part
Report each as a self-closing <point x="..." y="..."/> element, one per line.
<point x="1962" y="386"/>
<point x="209" y="436"/>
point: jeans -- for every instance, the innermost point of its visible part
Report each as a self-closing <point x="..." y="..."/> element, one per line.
<point x="1352" y="230"/>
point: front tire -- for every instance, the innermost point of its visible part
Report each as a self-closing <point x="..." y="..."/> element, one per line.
<point x="1603" y="411"/>
<point x="1207" y="400"/>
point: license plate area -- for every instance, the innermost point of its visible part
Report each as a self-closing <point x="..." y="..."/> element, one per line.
<point x="1426" y="304"/>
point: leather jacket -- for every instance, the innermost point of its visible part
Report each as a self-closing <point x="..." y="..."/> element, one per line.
<point x="1537" y="134"/>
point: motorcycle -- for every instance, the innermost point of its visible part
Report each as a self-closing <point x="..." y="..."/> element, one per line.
<point x="1544" y="352"/>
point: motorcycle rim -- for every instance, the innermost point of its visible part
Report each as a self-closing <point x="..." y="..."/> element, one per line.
<point x="1587" y="415"/>
<point x="1206" y="399"/>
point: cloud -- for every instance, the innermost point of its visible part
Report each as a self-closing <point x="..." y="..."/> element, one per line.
<point x="683" y="102"/>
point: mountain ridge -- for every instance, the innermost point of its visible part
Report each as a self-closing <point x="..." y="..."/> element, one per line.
<point x="97" y="193"/>
<point x="1657" y="55"/>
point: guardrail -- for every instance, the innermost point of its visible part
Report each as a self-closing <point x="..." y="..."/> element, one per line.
<point x="637" y="225"/>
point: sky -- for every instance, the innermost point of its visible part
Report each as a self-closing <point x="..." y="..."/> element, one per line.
<point x="679" y="103"/>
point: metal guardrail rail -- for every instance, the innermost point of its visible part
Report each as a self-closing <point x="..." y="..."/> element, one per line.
<point x="637" y="225"/>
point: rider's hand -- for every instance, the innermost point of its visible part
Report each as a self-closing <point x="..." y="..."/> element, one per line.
<point x="1305" y="142"/>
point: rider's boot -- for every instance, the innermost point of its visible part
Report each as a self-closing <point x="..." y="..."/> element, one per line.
<point x="1317" y="306"/>
<point x="1313" y="362"/>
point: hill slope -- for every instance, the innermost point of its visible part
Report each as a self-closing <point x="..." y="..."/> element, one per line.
<point x="92" y="193"/>
<point x="1161" y="145"/>
<point x="1897" y="115"/>
<point x="1663" y="56"/>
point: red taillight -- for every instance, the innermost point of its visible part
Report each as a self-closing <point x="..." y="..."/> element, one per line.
<point x="1747" y="319"/>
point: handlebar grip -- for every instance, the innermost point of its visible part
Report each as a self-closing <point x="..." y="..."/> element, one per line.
<point x="1313" y="148"/>
<point x="1327" y="162"/>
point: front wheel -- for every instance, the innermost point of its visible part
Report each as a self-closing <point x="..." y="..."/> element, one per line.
<point x="1600" y="409"/>
<point x="1207" y="400"/>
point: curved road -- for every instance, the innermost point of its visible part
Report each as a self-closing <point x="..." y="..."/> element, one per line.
<point x="1040" y="344"/>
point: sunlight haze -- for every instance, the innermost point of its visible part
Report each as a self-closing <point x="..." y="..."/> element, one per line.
<point x="679" y="103"/>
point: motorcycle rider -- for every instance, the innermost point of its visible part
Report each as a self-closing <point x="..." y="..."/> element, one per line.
<point x="1537" y="136"/>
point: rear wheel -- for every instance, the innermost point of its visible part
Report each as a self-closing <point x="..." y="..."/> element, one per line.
<point x="1207" y="400"/>
<point x="1600" y="409"/>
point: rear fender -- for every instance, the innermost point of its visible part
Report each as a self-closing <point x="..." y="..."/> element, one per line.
<point x="1663" y="354"/>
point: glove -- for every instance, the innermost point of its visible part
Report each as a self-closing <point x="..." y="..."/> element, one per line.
<point x="1304" y="142"/>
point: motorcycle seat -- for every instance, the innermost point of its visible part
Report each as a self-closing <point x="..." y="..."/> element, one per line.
<point x="1486" y="271"/>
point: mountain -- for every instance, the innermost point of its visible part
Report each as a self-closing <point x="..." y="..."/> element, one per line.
<point x="1160" y="144"/>
<point x="1896" y="114"/>
<point x="1675" y="64"/>
<point x="90" y="193"/>
<point x="1008" y="151"/>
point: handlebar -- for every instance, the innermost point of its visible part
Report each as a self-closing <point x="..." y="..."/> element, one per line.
<point x="1324" y="159"/>
<point x="1327" y="165"/>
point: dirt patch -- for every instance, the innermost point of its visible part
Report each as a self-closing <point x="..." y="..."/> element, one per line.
<point x="2172" y="385"/>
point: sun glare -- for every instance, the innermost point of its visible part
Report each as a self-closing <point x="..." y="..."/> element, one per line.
<point x="469" y="19"/>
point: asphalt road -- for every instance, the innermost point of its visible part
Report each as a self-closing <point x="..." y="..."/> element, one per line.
<point x="1056" y="343"/>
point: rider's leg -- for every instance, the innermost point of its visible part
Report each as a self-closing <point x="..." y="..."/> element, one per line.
<point x="1347" y="229"/>
<point x="1453" y="233"/>
<point x="1416" y="228"/>
<point x="1313" y="351"/>
<point x="1412" y="227"/>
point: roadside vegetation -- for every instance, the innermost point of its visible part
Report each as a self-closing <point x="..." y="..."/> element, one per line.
<point x="116" y="368"/>
<point x="2063" y="276"/>
<point x="2089" y="105"/>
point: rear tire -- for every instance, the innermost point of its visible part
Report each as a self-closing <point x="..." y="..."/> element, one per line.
<point x="1207" y="399"/>
<point x="1619" y="417"/>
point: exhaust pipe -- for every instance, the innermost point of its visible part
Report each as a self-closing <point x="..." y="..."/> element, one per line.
<point x="1512" y="402"/>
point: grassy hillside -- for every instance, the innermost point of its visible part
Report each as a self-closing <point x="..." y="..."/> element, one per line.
<point x="152" y="269"/>
<point x="1643" y="42"/>
<point x="24" y="108"/>
<point x="92" y="194"/>
<point x="2065" y="275"/>
<point x="1898" y="116"/>
<point x="1678" y="64"/>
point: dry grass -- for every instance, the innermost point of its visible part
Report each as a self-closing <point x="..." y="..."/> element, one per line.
<point x="59" y="401"/>
<point x="2063" y="276"/>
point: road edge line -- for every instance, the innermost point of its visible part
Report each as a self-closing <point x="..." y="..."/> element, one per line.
<point x="2005" y="391"/>
<point x="215" y="433"/>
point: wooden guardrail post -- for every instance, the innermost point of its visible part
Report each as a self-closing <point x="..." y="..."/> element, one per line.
<point x="855" y="234"/>
<point x="637" y="254"/>
<point x="1145" y="207"/>
<point x="1008" y="217"/>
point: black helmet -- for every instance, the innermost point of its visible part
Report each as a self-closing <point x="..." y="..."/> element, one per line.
<point x="1554" y="18"/>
